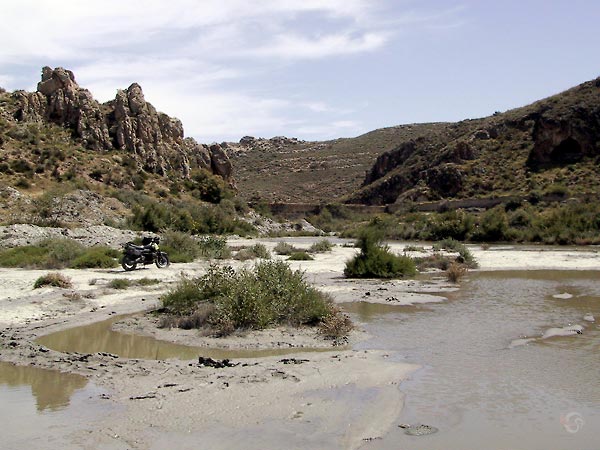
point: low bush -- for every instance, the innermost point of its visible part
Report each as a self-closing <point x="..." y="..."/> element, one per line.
<point x="283" y="248"/>
<point x="120" y="283"/>
<point x="465" y="255"/>
<point x="214" y="247"/>
<point x="256" y="251"/>
<point x="181" y="246"/>
<point x="58" y="254"/>
<point x="53" y="279"/>
<point x="96" y="257"/>
<point x="434" y="261"/>
<point x="455" y="272"/>
<point x="300" y="256"/>
<point x="269" y="294"/>
<point x="321" y="246"/>
<point x="147" y="281"/>
<point x="376" y="260"/>
<point x="336" y="324"/>
<point x="125" y="283"/>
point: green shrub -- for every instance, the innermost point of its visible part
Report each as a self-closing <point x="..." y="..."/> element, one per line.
<point x="58" y="254"/>
<point x="269" y="294"/>
<point x="300" y="256"/>
<point x="96" y="257"/>
<point x="492" y="226"/>
<point x="321" y="246"/>
<point x="207" y="187"/>
<point x="181" y="246"/>
<point x="26" y="257"/>
<point x="53" y="279"/>
<point x="376" y="261"/>
<point x="214" y="247"/>
<point x="283" y="248"/>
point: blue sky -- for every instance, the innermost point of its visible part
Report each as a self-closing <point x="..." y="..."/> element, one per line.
<point x="312" y="69"/>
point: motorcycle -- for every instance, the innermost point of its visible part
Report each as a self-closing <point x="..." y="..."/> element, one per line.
<point x="147" y="253"/>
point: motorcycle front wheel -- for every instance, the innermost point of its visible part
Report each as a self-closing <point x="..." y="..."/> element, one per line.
<point x="128" y="263"/>
<point x="162" y="260"/>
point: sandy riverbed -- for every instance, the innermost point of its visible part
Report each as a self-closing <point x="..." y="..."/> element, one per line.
<point x="336" y="399"/>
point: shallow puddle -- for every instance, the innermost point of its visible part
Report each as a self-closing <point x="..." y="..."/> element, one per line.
<point x="99" y="337"/>
<point x="40" y="408"/>
<point x="477" y="390"/>
<point x="52" y="390"/>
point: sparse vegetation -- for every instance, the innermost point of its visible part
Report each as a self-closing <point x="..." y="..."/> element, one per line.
<point x="214" y="247"/>
<point x="96" y="257"/>
<point x="321" y="246"/>
<point x="253" y="252"/>
<point x="269" y="294"/>
<point x="455" y="272"/>
<point x="57" y="254"/>
<point x="55" y="279"/>
<point x="125" y="283"/>
<point x="283" y="248"/>
<point x="120" y="283"/>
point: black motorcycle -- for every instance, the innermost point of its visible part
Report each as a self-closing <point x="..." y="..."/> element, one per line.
<point x="147" y="253"/>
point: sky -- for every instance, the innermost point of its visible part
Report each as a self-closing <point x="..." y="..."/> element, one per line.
<point x="311" y="69"/>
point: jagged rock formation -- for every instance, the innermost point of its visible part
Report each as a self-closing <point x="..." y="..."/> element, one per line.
<point x="155" y="140"/>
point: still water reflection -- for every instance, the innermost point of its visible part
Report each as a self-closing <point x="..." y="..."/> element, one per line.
<point x="51" y="389"/>
<point x="99" y="337"/>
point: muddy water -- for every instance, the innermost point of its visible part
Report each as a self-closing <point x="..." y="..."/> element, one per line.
<point x="477" y="390"/>
<point x="41" y="408"/>
<point x="99" y="337"/>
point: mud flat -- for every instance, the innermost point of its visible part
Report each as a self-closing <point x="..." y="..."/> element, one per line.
<point x="339" y="398"/>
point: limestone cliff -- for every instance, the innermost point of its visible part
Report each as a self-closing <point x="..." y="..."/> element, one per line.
<point x="153" y="139"/>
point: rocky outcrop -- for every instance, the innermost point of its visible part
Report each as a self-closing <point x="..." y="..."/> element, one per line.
<point x="388" y="161"/>
<point x="445" y="180"/>
<point x="559" y="142"/>
<point x="130" y="123"/>
<point x="60" y="100"/>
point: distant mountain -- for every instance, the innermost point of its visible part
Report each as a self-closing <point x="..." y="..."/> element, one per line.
<point x="551" y="144"/>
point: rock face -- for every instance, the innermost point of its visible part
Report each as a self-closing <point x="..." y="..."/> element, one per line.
<point x="155" y="140"/>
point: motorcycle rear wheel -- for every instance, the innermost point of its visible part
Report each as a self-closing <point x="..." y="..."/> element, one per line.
<point x="162" y="260"/>
<point x="128" y="263"/>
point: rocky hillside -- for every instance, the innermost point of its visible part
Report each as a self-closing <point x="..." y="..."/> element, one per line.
<point x="551" y="145"/>
<point x="128" y="128"/>
<point x="60" y="142"/>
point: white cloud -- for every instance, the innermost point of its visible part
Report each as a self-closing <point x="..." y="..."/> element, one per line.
<point x="296" y="46"/>
<point x="202" y="61"/>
